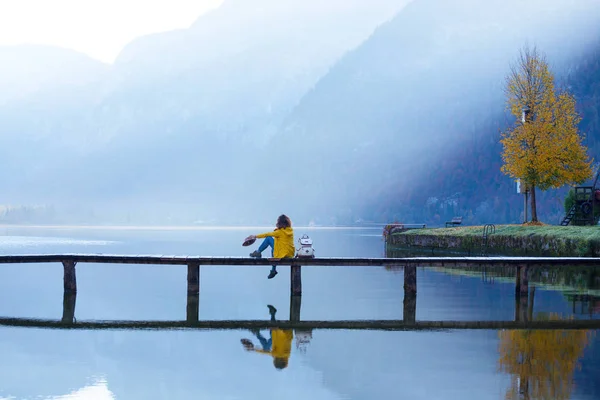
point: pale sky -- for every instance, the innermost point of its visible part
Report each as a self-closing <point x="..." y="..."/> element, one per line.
<point x="99" y="28"/>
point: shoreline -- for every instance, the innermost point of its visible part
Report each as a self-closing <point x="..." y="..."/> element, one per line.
<point x="174" y="227"/>
<point x="546" y="240"/>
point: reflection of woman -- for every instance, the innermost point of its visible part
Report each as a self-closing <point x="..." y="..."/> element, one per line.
<point x="279" y="345"/>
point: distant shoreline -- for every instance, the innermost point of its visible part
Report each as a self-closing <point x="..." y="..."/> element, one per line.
<point x="175" y="227"/>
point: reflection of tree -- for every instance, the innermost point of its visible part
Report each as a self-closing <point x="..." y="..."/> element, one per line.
<point x="541" y="362"/>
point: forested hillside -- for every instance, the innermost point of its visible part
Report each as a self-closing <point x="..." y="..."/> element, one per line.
<point x="468" y="181"/>
<point x="409" y="122"/>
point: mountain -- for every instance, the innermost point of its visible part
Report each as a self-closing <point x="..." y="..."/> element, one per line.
<point x="393" y="123"/>
<point x="27" y="71"/>
<point x="185" y="109"/>
<point x="45" y="94"/>
<point x="329" y="112"/>
<point x="239" y="69"/>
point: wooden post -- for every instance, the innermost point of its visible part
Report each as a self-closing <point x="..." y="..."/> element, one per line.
<point x="530" y="306"/>
<point x="518" y="282"/>
<point x="193" y="292"/>
<point x="518" y="312"/>
<point x="524" y="280"/>
<point x="522" y="293"/>
<point x="524" y="307"/>
<point x="295" y="306"/>
<point x="193" y="278"/>
<point x="296" y="280"/>
<point x="70" y="278"/>
<point x="410" y="293"/>
<point x="69" y="299"/>
<point x="193" y="308"/>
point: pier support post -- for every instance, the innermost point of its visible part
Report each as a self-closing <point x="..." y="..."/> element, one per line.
<point x="524" y="280"/>
<point x="296" y="280"/>
<point x="193" y="308"/>
<point x="193" y="292"/>
<point x="518" y="282"/>
<point x="530" y="305"/>
<point x="68" y="316"/>
<point x="410" y="293"/>
<point x="295" y="306"/>
<point x="524" y="307"/>
<point x="522" y="293"/>
<point x="193" y="278"/>
<point x="69" y="278"/>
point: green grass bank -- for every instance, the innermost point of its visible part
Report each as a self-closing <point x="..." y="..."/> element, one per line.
<point x="545" y="240"/>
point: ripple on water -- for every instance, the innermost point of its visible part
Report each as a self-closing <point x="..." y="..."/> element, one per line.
<point x="33" y="241"/>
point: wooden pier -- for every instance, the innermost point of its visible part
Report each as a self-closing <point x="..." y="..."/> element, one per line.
<point x="193" y="263"/>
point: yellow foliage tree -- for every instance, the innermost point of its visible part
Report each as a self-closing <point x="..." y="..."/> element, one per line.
<point x="541" y="362"/>
<point x="544" y="148"/>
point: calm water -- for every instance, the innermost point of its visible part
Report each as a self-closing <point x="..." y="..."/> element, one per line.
<point x="329" y="364"/>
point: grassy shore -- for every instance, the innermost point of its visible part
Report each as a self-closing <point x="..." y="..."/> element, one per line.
<point x="554" y="231"/>
<point x="540" y="240"/>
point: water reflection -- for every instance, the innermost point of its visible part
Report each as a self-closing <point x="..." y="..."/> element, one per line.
<point x="409" y="313"/>
<point x="524" y="308"/>
<point x="580" y="285"/>
<point x="584" y="304"/>
<point x="69" y="299"/>
<point x="541" y="363"/>
<point x="97" y="391"/>
<point x="186" y="354"/>
<point x="279" y="343"/>
<point x="278" y="346"/>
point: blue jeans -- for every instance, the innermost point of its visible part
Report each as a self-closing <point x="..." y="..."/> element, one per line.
<point x="267" y="242"/>
<point x="265" y="343"/>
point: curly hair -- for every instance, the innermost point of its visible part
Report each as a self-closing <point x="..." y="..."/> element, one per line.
<point x="280" y="362"/>
<point x="283" y="221"/>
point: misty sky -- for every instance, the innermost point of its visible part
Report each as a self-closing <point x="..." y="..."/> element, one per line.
<point x="98" y="28"/>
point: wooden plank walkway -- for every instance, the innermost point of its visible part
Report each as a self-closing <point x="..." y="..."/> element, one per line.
<point x="380" y="325"/>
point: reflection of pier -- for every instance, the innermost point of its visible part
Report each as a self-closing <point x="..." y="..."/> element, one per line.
<point x="382" y="325"/>
<point x="584" y="304"/>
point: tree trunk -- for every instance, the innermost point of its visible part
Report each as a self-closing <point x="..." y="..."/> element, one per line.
<point x="533" y="208"/>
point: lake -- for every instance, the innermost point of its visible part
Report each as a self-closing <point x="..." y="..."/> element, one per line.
<point x="323" y="364"/>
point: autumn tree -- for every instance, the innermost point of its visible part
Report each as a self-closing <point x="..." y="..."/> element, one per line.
<point x="543" y="148"/>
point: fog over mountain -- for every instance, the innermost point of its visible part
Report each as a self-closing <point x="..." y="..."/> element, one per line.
<point x="425" y="85"/>
<point x="327" y="111"/>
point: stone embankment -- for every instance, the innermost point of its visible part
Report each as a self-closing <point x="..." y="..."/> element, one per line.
<point x="556" y="241"/>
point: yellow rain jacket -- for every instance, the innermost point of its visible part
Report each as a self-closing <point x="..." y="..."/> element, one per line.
<point x="281" y="347"/>
<point x="284" y="242"/>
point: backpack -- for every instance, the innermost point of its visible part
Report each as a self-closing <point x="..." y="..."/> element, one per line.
<point x="306" y="250"/>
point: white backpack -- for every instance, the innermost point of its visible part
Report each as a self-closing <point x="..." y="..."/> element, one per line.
<point x="306" y="250"/>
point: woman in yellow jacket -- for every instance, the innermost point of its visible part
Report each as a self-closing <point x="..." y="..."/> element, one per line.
<point x="281" y="241"/>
